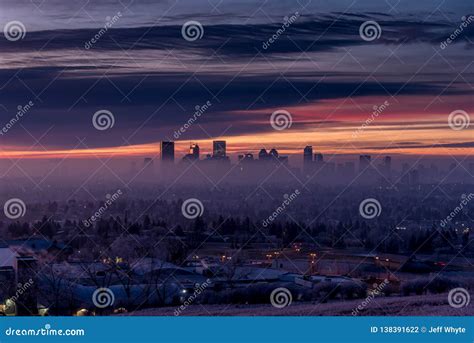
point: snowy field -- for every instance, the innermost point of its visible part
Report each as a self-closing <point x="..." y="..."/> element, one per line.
<point x="422" y="305"/>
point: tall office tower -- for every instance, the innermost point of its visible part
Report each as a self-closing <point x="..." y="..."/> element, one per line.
<point x="274" y="153"/>
<point x="194" y="151"/>
<point x="263" y="155"/>
<point x="308" y="155"/>
<point x="318" y="158"/>
<point x="218" y="149"/>
<point x="167" y="151"/>
<point x="387" y="166"/>
<point x="364" y="162"/>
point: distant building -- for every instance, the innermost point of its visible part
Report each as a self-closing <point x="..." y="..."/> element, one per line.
<point x="263" y="155"/>
<point x="246" y="158"/>
<point x="364" y="162"/>
<point x="219" y="149"/>
<point x="193" y="154"/>
<point x="318" y="158"/>
<point x="308" y="155"/>
<point x="274" y="153"/>
<point x="387" y="167"/>
<point x="194" y="151"/>
<point x="167" y="151"/>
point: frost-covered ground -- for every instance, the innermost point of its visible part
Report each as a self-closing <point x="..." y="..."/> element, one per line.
<point x="423" y="305"/>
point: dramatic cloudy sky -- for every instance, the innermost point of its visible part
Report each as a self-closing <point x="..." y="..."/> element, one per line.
<point x="320" y="70"/>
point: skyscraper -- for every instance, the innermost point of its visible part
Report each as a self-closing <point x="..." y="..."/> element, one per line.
<point x="194" y="151"/>
<point x="218" y="149"/>
<point x="364" y="162"/>
<point x="263" y="155"/>
<point x="308" y="155"/>
<point x="274" y="153"/>
<point x="167" y="151"/>
<point x="318" y="158"/>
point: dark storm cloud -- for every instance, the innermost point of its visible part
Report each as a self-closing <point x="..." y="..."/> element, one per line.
<point x="324" y="33"/>
<point x="229" y="93"/>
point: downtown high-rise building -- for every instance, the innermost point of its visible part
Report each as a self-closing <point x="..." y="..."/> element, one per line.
<point x="194" y="151"/>
<point x="219" y="149"/>
<point x="364" y="162"/>
<point x="308" y="155"/>
<point x="167" y="151"/>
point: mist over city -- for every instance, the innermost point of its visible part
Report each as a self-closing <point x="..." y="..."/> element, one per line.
<point x="239" y="159"/>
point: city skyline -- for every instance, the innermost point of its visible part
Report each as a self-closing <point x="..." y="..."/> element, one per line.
<point x="340" y="90"/>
